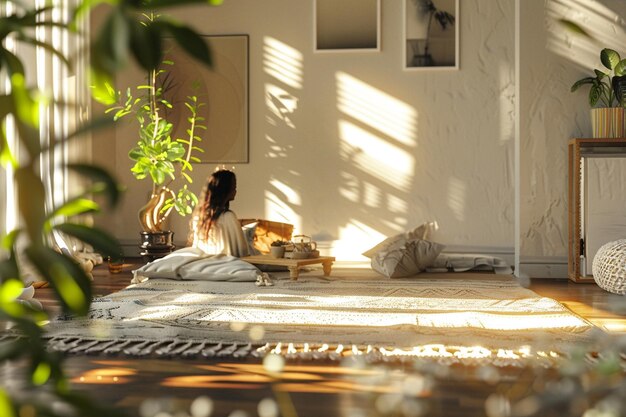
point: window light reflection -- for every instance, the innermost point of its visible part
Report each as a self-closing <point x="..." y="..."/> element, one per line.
<point x="375" y="156"/>
<point x="279" y="210"/>
<point x="280" y="103"/>
<point x="457" y="195"/>
<point x="282" y="62"/>
<point x="376" y="109"/>
<point x="293" y="197"/>
<point x="350" y="188"/>
<point x="296" y="315"/>
<point x="604" y="25"/>
<point x="354" y="239"/>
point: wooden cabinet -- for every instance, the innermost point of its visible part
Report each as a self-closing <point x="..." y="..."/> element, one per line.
<point x="578" y="151"/>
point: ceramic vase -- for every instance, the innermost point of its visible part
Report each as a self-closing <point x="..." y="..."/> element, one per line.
<point x="277" y="251"/>
<point x="607" y="122"/>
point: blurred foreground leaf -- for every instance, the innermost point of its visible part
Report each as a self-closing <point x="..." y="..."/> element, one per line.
<point x="67" y="278"/>
<point x="6" y="406"/>
<point x="99" y="176"/>
<point x="31" y="198"/>
<point x="101" y="241"/>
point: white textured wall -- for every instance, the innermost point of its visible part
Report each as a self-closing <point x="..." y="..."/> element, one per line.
<point x="552" y="59"/>
<point x="350" y="147"/>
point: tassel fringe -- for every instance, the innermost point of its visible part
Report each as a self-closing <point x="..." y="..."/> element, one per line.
<point x="193" y="349"/>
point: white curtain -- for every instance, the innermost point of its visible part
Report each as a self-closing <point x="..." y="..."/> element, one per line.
<point x="67" y="88"/>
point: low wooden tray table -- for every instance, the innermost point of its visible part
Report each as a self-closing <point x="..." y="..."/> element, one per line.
<point x="293" y="265"/>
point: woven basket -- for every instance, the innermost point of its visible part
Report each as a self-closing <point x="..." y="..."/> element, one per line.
<point x="609" y="267"/>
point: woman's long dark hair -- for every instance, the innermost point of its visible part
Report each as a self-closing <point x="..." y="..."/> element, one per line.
<point x="214" y="200"/>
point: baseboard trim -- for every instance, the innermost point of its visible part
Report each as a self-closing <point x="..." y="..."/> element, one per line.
<point x="549" y="267"/>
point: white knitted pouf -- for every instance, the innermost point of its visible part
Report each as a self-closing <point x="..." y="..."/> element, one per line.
<point x="609" y="267"/>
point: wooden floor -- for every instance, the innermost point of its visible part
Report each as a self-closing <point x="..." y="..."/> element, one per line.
<point x="320" y="390"/>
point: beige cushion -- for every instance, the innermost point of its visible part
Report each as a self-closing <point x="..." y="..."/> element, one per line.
<point x="193" y="264"/>
<point x="422" y="231"/>
<point x="405" y="257"/>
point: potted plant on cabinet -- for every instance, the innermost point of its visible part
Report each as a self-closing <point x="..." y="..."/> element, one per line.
<point x="159" y="156"/>
<point x="608" y="92"/>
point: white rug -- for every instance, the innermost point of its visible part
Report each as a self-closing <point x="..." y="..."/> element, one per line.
<point x="452" y="315"/>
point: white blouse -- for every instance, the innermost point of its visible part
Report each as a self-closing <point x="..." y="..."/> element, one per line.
<point x="225" y="237"/>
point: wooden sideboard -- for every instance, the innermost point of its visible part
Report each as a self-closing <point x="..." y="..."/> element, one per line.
<point x="577" y="149"/>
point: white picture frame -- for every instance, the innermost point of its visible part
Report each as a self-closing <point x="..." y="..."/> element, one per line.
<point x="346" y="26"/>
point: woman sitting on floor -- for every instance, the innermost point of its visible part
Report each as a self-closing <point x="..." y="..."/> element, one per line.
<point x="215" y="229"/>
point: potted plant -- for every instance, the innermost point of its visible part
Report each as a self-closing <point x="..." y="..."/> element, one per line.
<point x="159" y="156"/>
<point x="277" y="248"/>
<point x="606" y="95"/>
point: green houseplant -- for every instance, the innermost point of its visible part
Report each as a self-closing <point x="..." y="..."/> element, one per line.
<point x="159" y="156"/>
<point x="607" y="90"/>
<point x="605" y="87"/>
<point x="42" y="388"/>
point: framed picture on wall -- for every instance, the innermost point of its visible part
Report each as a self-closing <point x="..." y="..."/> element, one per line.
<point x="346" y="25"/>
<point x="224" y="91"/>
<point x="431" y="34"/>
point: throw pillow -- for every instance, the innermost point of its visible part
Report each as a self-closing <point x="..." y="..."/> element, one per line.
<point x="167" y="267"/>
<point x="405" y="257"/>
<point x="422" y="231"/>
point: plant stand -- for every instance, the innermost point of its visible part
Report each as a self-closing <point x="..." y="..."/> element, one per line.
<point x="156" y="244"/>
<point x="578" y="243"/>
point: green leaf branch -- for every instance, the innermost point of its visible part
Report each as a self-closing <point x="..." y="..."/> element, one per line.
<point x="123" y="37"/>
<point x="606" y="87"/>
<point x="158" y="155"/>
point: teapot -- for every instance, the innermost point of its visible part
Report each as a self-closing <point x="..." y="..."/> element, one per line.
<point x="303" y="243"/>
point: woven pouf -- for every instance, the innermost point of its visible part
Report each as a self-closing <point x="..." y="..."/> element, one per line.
<point x="609" y="267"/>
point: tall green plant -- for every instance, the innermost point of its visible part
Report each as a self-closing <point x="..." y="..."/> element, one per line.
<point x="122" y="36"/>
<point x="158" y="155"/>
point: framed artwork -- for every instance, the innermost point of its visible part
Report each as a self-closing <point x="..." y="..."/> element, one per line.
<point x="346" y="25"/>
<point x="431" y="34"/>
<point x="224" y="91"/>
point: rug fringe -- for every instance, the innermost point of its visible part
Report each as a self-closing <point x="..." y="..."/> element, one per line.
<point x="192" y="349"/>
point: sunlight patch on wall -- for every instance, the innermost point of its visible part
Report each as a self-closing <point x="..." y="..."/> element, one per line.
<point x="350" y="189"/>
<point x="292" y="196"/>
<point x="602" y="23"/>
<point x="457" y="195"/>
<point x="275" y="150"/>
<point x="281" y="104"/>
<point x="276" y="209"/>
<point x="376" y="109"/>
<point x="396" y="204"/>
<point x="375" y="156"/>
<point x="372" y="196"/>
<point x="282" y="62"/>
<point x="354" y="239"/>
<point x="507" y="103"/>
